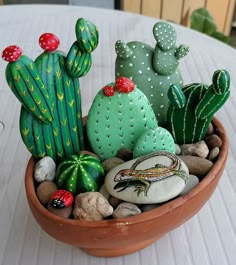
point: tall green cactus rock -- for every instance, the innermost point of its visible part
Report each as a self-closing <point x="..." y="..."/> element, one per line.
<point x="49" y="90"/>
<point x="119" y="115"/>
<point x="152" y="69"/>
<point x="192" y="107"/>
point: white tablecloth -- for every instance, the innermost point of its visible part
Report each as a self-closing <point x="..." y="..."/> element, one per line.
<point x="208" y="238"/>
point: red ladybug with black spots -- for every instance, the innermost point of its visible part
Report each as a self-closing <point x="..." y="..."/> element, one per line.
<point x="61" y="199"/>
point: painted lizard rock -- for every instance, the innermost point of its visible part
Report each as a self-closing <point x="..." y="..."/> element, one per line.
<point x="118" y="120"/>
<point x="153" y="178"/>
<point x="49" y="90"/>
<point x="192" y="107"/>
<point x="152" y="69"/>
<point x="80" y="173"/>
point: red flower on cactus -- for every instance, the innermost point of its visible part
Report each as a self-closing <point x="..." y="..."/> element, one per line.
<point x="108" y="91"/>
<point x="124" y="85"/>
<point x="49" y="42"/>
<point x="11" y="53"/>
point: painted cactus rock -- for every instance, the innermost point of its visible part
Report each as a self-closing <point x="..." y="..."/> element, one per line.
<point x="192" y="107"/>
<point x="153" y="70"/>
<point x="153" y="178"/>
<point x="118" y="119"/>
<point x="80" y="173"/>
<point x="49" y="90"/>
<point x="153" y="140"/>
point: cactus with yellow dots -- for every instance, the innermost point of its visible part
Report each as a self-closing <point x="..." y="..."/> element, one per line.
<point x="49" y="90"/>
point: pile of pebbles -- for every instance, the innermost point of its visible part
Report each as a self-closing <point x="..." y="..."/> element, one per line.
<point x="93" y="206"/>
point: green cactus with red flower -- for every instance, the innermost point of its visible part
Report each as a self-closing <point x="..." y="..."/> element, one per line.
<point x="49" y="90"/>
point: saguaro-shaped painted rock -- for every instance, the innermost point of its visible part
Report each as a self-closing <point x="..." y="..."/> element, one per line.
<point x="192" y="107"/>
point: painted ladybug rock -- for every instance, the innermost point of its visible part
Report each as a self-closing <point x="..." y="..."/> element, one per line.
<point x="61" y="199"/>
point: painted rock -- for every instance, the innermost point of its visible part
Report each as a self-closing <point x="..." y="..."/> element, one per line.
<point x="119" y="120"/>
<point x="61" y="199"/>
<point x="45" y="169"/>
<point x="153" y="178"/>
<point x="154" y="140"/>
<point x="80" y="173"/>
<point x="91" y="206"/>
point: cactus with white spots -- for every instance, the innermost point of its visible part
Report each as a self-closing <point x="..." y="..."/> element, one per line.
<point x="49" y="90"/>
<point x="192" y="107"/>
<point x="152" y="69"/>
<point x="119" y="115"/>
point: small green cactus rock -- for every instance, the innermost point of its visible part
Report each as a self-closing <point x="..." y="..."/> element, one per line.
<point x="153" y="140"/>
<point x="118" y="119"/>
<point x="80" y="173"/>
<point x="153" y="70"/>
<point x="192" y="108"/>
<point x="49" y="90"/>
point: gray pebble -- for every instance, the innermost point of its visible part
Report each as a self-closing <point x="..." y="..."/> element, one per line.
<point x="149" y="207"/>
<point x="192" y="182"/>
<point x="213" y="153"/>
<point x="110" y="163"/>
<point x="104" y="192"/>
<point x="197" y="166"/>
<point x="45" y="169"/>
<point x="126" y="209"/>
<point x="213" y="141"/>
<point x="177" y="149"/>
<point x="196" y="149"/>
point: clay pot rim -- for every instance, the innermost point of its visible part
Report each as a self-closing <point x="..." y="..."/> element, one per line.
<point x="143" y="217"/>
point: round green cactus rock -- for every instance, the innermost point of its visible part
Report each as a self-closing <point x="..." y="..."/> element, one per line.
<point x="80" y="173"/>
<point x="118" y="116"/>
<point x="153" y="140"/>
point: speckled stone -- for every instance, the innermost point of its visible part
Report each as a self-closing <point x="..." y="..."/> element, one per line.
<point x="192" y="182"/>
<point x="110" y="163"/>
<point x="125" y="209"/>
<point x="45" y="190"/>
<point x="197" y="166"/>
<point x="213" y="153"/>
<point x="213" y="141"/>
<point x="91" y="206"/>
<point x="62" y="212"/>
<point x="196" y="149"/>
<point x="45" y="169"/>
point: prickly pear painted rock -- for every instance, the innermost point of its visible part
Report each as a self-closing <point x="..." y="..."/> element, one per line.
<point x="192" y="107"/>
<point x="152" y="69"/>
<point x="80" y="173"/>
<point x="118" y="119"/>
<point x="154" y="140"/>
<point x="153" y="178"/>
<point x="49" y="90"/>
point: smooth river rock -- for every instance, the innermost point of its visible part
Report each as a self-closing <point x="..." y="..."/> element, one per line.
<point x="192" y="182"/>
<point x="196" y="149"/>
<point x="45" y="191"/>
<point x="213" y="141"/>
<point x="197" y="166"/>
<point x="45" y="169"/>
<point x="126" y="209"/>
<point x="148" y="179"/>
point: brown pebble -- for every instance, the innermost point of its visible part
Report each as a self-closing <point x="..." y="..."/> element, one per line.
<point x="213" y="141"/>
<point x="62" y="212"/>
<point x="210" y="130"/>
<point x="45" y="190"/>
<point x="114" y="202"/>
<point x="89" y="153"/>
<point x="125" y="154"/>
<point x="197" y="166"/>
<point x="213" y="153"/>
<point x="110" y="163"/>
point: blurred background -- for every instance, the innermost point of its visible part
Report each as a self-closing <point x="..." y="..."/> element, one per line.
<point x="216" y="18"/>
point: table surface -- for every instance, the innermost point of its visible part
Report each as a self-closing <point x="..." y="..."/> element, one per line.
<point x="207" y="238"/>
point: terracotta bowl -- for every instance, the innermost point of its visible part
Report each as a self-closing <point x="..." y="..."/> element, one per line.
<point x="119" y="237"/>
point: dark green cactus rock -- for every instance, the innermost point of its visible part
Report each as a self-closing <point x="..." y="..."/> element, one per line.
<point x="152" y="69"/>
<point x="193" y="107"/>
<point x="51" y="118"/>
<point x="153" y="140"/>
<point x="118" y="120"/>
<point x="80" y="173"/>
<point x="87" y="35"/>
